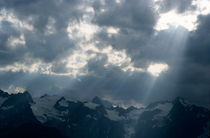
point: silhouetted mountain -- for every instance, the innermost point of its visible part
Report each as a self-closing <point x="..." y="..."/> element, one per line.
<point x="57" y="117"/>
<point x="180" y="120"/>
<point x="15" y="109"/>
<point x="76" y="119"/>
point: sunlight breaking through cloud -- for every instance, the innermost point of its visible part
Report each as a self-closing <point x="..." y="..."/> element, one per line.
<point x="14" y="42"/>
<point x="173" y="19"/>
<point x="188" y="19"/>
<point x="81" y="30"/>
<point x="76" y="63"/>
<point x="141" y="50"/>
<point x="6" y="15"/>
<point x="157" y="68"/>
<point x="202" y="6"/>
<point x="112" y="30"/>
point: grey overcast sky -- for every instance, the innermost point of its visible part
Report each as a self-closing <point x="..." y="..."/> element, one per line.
<point x="127" y="51"/>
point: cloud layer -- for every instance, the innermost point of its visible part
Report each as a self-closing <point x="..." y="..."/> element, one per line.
<point x="127" y="50"/>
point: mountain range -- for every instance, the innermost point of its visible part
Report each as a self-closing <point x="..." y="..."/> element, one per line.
<point x="51" y="116"/>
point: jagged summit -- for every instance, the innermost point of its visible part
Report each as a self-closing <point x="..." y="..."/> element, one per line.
<point x="98" y="118"/>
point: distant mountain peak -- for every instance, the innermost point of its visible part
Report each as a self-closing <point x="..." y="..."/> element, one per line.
<point x="99" y="118"/>
<point x="100" y="101"/>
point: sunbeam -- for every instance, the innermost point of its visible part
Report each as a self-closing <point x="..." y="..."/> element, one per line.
<point x="175" y="44"/>
<point x="104" y="68"/>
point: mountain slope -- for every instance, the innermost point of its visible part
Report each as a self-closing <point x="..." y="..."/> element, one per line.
<point x="72" y="118"/>
<point x="54" y="116"/>
<point x="18" y="120"/>
<point x="179" y="120"/>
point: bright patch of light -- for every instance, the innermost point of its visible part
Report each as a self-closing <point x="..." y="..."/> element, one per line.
<point x="102" y="10"/>
<point x="115" y="57"/>
<point x="118" y="1"/>
<point x="79" y="59"/>
<point x="10" y="17"/>
<point x="157" y="0"/>
<point x="82" y="29"/>
<point x="112" y="30"/>
<point x="157" y="68"/>
<point x="34" y="66"/>
<point x="76" y="64"/>
<point x="14" y="42"/>
<point x="203" y="6"/>
<point x="188" y="19"/>
<point x="132" y="68"/>
<point x="89" y="9"/>
<point x="171" y="18"/>
<point x="120" y="59"/>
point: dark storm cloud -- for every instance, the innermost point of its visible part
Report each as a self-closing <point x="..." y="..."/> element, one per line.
<point x="188" y="73"/>
<point x="136" y="21"/>
<point x="194" y="76"/>
<point x="112" y="82"/>
<point x="187" y="76"/>
<point x="7" y="55"/>
<point x="129" y="14"/>
<point x="38" y="44"/>
<point x="130" y="40"/>
<point x="189" y="64"/>
<point x="199" y="43"/>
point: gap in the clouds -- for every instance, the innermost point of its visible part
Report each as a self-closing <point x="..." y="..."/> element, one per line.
<point x="40" y="72"/>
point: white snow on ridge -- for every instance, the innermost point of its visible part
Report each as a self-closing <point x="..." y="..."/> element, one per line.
<point x="91" y="105"/>
<point x="113" y="115"/>
<point x="134" y="115"/>
<point x="165" y="109"/>
<point x="131" y="122"/>
<point x="44" y="107"/>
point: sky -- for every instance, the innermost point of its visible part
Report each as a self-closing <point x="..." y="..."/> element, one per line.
<point x="126" y="51"/>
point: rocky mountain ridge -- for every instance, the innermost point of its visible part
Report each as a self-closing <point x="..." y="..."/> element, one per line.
<point x="55" y="116"/>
